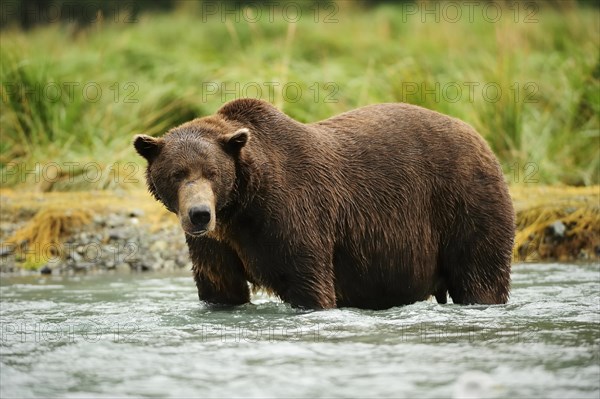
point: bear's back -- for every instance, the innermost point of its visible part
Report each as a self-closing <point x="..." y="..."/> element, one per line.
<point x="407" y="141"/>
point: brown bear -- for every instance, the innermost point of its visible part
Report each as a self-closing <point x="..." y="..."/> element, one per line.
<point x="381" y="206"/>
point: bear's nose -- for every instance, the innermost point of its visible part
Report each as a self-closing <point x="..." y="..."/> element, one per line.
<point x="200" y="216"/>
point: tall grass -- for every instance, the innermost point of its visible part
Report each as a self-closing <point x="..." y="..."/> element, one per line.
<point x="164" y="69"/>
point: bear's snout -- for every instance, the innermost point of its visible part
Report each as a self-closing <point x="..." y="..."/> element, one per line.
<point x="200" y="217"/>
<point x="197" y="207"/>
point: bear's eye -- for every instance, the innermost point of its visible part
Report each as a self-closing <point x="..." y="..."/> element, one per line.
<point x="210" y="174"/>
<point x="179" y="175"/>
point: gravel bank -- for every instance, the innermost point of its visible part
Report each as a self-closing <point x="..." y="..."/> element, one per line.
<point x="120" y="232"/>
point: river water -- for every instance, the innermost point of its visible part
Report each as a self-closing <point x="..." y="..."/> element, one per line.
<point x="147" y="335"/>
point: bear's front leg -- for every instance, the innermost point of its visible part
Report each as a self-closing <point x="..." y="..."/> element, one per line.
<point x="309" y="284"/>
<point x="309" y="299"/>
<point x="224" y="291"/>
<point x="218" y="272"/>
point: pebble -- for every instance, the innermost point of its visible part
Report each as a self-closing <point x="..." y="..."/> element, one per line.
<point x="6" y="250"/>
<point x="116" y="234"/>
<point x="557" y="229"/>
<point x="136" y="213"/>
<point x="45" y="270"/>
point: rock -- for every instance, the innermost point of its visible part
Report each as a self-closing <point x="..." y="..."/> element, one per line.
<point x="583" y="255"/>
<point x="183" y="259"/>
<point x="114" y="220"/>
<point x="45" y="270"/>
<point x="122" y="267"/>
<point x="557" y="229"/>
<point x="75" y="256"/>
<point x="136" y="213"/>
<point x="117" y="234"/>
<point x="169" y="265"/>
<point x="6" y="250"/>
<point x="159" y="246"/>
<point x="83" y="266"/>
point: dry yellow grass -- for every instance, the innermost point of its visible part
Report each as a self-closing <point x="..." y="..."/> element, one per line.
<point x="94" y="202"/>
<point x="538" y="208"/>
<point x="49" y="225"/>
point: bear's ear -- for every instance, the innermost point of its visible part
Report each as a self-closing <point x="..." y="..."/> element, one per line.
<point x="235" y="141"/>
<point x="147" y="146"/>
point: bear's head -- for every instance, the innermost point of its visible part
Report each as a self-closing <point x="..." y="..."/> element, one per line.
<point x="192" y="171"/>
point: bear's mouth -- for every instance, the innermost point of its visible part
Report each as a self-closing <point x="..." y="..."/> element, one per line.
<point x="197" y="233"/>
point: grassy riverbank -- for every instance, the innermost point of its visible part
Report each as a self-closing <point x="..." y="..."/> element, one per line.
<point x="74" y="96"/>
<point x="556" y="223"/>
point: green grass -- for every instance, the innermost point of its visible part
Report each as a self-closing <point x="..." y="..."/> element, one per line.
<point x="155" y="73"/>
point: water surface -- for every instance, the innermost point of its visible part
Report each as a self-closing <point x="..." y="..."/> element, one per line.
<point x="146" y="334"/>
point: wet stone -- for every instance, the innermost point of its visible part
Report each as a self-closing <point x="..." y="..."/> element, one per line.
<point x="135" y="213"/>
<point x="557" y="229"/>
<point x="45" y="270"/>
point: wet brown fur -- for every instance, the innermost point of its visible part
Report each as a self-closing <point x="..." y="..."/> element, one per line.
<point x="381" y="206"/>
